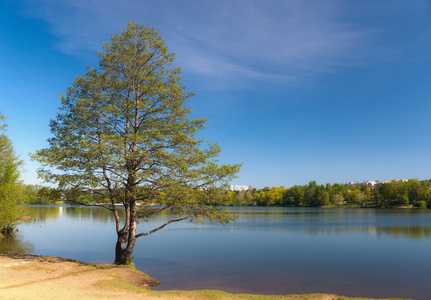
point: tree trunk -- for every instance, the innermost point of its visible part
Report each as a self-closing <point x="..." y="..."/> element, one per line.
<point x="120" y="254"/>
<point x="126" y="238"/>
<point x="123" y="255"/>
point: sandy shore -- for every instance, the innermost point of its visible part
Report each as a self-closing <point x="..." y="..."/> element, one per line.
<point x="37" y="277"/>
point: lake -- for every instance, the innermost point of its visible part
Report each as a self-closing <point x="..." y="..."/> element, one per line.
<point x="350" y="252"/>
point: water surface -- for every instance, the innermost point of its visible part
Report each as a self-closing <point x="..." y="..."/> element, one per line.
<point x="351" y="252"/>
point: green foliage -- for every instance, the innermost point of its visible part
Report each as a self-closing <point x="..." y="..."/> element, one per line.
<point x="421" y="204"/>
<point x="293" y="196"/>
<point x="10" y="185"/>
<point x="37" y="194"/>
<point x="123" y="133"/>
<point x="388" y="194"/>
<point x="128" y="261"/>
<point x="269" y="197"/>
<point x="360" y="199"/>
<point x="337" y="199"/>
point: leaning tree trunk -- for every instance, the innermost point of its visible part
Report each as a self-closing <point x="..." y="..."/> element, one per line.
<point x="120" y="256"/>
<point x="123" y="256"/>
<point x="126" y="237"/>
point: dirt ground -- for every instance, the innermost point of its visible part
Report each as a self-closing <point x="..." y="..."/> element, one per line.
<point x="37" y="277"/>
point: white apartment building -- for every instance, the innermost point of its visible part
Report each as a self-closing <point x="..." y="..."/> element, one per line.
<point x="239" y="187"/>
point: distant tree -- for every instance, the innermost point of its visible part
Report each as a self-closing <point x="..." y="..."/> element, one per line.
<point x="414" y="190"/>
<point x="49" y="195"/>
<point x="338" y="189"/>
<point x="324" y="198"/>
<point x="248" y="197"/>
<point x="312" y="184"/>
<point x="421" y="204"/>
<point x="401" y="192"/>
<point x="365" y="189"/>
<point x="417" y="190"/>
<point x="361" y="199"/>
<point x="424" y="193"/>
<point x="403" y="199"/>
<point x="337" y="199"/>
<point x="10" y="185"/>
<point x="387" y="193"/>
<point x="30" y="194"/>
<point x="230" y="198"/>
<point x="329" y="189"/>
<point x="350" y="194"/>
<point x="270" y="198"/>
<point x="259" y="197"/>
<point x="293" y="196"/>
<point x="377" y="197"/>
<point x="309" y="197"/>
<point x="37" y="194"/>
<point x="124" y="133"/>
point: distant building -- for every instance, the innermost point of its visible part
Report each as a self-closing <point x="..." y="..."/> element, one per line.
<point x="239" y="188"/>
<point x="371" y="183"/>
<point x="400" y="180"/>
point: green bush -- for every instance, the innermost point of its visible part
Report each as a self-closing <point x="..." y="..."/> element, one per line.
<point x="421" y="204"/>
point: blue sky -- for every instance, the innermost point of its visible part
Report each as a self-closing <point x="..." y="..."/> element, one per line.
<point x="332" y="91"/>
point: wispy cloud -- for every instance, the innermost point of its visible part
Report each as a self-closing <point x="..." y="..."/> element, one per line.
<point x="233" y="41"/>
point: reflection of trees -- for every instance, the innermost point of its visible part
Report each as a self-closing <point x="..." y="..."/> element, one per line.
<point x="413" y="232"/>
<point x="334" y="221"/>
<point x="15" y="243"/>
<point x="98" y="214"/>
<point x="396" y="224"/>
<point x="409" y="232"/>
<point x="103" y="215"/>
<point x="40" y="214"/>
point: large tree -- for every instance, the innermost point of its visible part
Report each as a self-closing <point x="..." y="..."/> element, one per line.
<point x="10" y="184"/>
<point x="123" y="133"/>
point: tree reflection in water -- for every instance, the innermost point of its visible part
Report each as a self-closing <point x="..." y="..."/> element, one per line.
<point x="15" y="243"/>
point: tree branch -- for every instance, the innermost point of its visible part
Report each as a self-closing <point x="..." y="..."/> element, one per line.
<point x="161" y="227"/>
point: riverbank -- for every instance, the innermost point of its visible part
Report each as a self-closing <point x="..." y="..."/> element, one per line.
<point x="34" y="277"/>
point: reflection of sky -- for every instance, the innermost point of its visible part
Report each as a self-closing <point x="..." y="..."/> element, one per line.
<point x="356" y="252"/>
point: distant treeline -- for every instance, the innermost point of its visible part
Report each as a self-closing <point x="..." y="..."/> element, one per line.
<point x="388" y="194"/>
<point x="38" y="194"/>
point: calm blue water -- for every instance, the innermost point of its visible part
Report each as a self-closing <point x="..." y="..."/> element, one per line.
<point x="350" y="252"/>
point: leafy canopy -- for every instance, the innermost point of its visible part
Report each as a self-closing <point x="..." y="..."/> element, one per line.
<point x="124" y="133"/>
<point x="10" y="185"/>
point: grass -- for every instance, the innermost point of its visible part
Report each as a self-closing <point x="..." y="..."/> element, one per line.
<point x="119" y="283"/>
<point x="20" y="268"/>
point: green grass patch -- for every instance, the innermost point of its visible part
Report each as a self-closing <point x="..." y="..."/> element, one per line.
<point x="119" y="283"/>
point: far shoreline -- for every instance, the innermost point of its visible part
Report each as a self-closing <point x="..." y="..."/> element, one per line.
<point x="345" y="206"/>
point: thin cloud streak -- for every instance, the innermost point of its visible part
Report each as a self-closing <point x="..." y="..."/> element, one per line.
<point x="284" y="42"/>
